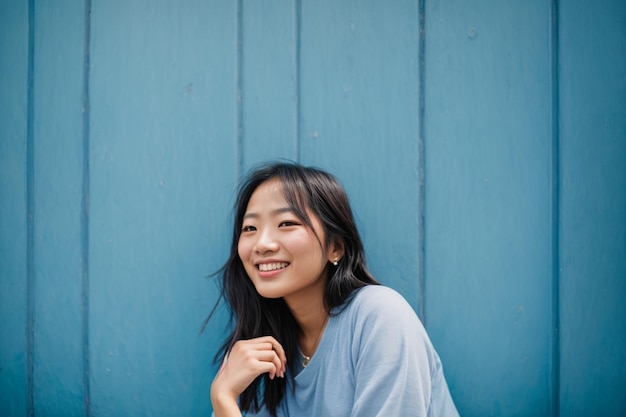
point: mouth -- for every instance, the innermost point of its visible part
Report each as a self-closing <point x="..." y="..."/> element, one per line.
<point x="272" y="266"/>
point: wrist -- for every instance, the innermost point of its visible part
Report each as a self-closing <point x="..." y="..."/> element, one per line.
<point x="224" y="403"/>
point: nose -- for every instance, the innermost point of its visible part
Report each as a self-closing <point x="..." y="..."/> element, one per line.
<point x="266" y="243"/>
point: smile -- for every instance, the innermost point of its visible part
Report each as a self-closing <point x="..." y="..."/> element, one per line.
<point x="272" y="266"/>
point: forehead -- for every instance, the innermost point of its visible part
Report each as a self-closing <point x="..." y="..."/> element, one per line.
<point x="268" y="195"/>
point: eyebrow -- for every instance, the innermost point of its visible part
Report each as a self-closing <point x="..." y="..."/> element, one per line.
<point x="273" y="213"/>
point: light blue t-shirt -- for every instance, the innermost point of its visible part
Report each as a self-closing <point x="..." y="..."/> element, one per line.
<point x="374" y="359"/>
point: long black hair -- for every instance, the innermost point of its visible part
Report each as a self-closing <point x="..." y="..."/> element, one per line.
<point x="305" y="189"/>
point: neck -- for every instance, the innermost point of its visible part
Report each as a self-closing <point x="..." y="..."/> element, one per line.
<point x="308" y="309"/>
<point x="309" y="341"/>
<point x="310" y="313"/>
<point x="311" y="318"/>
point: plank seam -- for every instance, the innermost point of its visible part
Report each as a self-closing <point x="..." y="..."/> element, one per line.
<point x="297" y="69"/>
<point x="30" y="209"/>
<point x="84" y="227"/>
<point x="556" y="149"/>
<point x="239" y="124"/>
<point x="422" y="159"/>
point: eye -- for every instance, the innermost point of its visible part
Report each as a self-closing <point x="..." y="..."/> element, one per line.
<point x="288" y="223"/>
<point x="248" y="228"/>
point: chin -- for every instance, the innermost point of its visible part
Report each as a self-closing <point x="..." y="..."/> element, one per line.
<point x="271" y="293"/>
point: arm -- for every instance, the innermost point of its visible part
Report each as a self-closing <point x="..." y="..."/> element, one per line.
<point x="246" y="360"/>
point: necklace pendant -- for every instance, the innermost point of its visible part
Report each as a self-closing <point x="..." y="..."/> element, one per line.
<point x="306" y="361"/>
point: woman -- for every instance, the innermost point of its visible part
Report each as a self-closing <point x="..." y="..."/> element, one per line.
<point x="315" y="334"/>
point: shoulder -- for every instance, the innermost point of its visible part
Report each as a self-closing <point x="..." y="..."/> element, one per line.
<point x="380" y="298"/>
<point x="373" y="292"/>
<point x="379" y="304"/>
<point x="383" y="323"/>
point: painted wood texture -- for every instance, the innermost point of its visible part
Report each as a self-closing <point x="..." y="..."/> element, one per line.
<point x="593" y="216"/>
<point x="482" y="143"/>
<point x="488" y="201"/>
<point x="14" y="209"/>
<point x="57" y="192"/>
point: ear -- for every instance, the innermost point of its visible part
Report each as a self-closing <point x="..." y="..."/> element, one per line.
<point x="336" y="250"/>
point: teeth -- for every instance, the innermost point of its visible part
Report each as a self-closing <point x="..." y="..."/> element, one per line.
<point x="273" y="266"/>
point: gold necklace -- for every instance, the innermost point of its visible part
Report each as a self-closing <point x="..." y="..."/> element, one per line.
<point x="306" y="359"/>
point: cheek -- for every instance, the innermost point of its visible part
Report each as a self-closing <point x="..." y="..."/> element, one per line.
<point x="308" y="248"/>
<point x="242" y="249"/>
<point x="245" y="249"/>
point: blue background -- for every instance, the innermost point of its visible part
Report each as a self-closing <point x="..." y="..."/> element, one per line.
<point x="482" y="143"/>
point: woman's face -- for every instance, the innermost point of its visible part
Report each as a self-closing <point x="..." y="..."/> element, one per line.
<point x="281" y="255"/>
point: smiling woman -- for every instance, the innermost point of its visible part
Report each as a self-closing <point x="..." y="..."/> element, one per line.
<point x="281" y="254"/>
<point x="315" y="333"/>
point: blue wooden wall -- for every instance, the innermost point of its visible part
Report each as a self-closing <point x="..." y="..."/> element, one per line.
<point x="482" y="142"/>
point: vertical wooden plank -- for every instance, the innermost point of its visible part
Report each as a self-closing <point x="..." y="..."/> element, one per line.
<point x="13" y="210"/>
<point x="593" y="207"/>
<point x="360" y="104"/>
<point x="58" y="58"/>
<point x="163" y="166"/>
<point x="268" y="80"/>
<point x="488" y="202"/>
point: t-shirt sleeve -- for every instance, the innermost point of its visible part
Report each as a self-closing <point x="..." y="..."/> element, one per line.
<point x="397" y="371"/>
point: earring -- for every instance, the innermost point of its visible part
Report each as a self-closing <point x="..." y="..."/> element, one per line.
<point x="336" y="262"/>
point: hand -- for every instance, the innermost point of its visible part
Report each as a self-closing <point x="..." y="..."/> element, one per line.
<point x="243" y="364"/>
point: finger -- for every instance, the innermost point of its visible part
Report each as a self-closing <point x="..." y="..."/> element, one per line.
<point x="258" y="354"/>
<point x="279" y="351"/>
<point x="269" y="342"/>
<point x="268" y="368"/>
<point x="271" y="356"/>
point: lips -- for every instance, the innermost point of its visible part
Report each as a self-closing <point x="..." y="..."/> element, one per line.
<point x="272" y="266"/>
